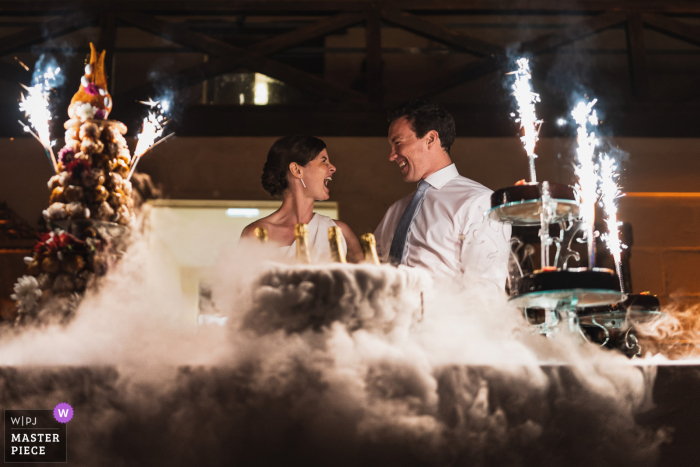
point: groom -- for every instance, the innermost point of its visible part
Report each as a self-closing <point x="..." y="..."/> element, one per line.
<point x="441" y="226"/>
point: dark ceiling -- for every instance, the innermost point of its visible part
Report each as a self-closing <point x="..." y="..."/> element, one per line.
<point x="335" y="67"/>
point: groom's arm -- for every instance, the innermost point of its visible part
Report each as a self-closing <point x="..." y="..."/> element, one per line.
<point x="485" y="246"/>
<point x="384" y="233"/>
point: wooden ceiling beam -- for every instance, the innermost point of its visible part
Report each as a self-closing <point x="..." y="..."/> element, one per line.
<point x="289" y="75"/>
<point x="572" y="33"/>
<point x="189" y="7"/>
<point x="220" y="65"/>
<point x="686" y="32"/>
<point x="312" y="31"/>
<point x="440" y="33"/>
<point x="43" y="31"/>
<point x="541" y="44"/>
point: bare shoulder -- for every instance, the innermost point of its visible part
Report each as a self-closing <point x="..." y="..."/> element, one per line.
<point x="344" y="227"/>
<point x="341" y="224"/>
<point x="249" y="229"/>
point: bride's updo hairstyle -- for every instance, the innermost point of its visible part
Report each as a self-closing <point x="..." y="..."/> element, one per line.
<point x="301" y="149"/>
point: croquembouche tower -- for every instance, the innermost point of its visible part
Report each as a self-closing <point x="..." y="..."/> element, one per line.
<point x="90" y="204"/>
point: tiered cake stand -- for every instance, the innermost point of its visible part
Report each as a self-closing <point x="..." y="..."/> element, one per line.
<point x="552" y="295"/>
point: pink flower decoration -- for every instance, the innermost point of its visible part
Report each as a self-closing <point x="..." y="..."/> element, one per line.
<point x="100" y="114"/>
<point x="66" y="155"/>
<point x="92" y="89"/>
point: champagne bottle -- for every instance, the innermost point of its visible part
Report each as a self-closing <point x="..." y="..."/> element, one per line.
<point x="261" y="234"/>
<point x="335" y="238"/>
<point x="301" y="232"/>
<point x="369" y="246"/>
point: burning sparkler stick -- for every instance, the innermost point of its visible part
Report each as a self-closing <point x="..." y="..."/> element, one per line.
<point x="152" y="129"/>
<point x="584" y="115"/>
<point x="526" y="98"/>
<point x="609" y="192"/>
<point x="35" y="105"/>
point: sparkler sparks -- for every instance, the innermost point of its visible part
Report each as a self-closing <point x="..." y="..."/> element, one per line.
<point x="22" y="64"/>
<point x="35" y="105"/>
<point x="586" y="170"/>
<point x="152" y="129"/>
<point x="609" y="192"/>
<point x="526" y="99"/>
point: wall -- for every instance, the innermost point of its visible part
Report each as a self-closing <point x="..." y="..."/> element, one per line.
<point x="366" y="184"/>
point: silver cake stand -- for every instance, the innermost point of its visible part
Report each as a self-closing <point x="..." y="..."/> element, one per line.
<point x="551" y="297"/>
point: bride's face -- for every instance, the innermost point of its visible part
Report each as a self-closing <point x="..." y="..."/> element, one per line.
<point x="317" y="176"/>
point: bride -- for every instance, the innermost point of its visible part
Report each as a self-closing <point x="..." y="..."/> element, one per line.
<point x="299" y="170"/>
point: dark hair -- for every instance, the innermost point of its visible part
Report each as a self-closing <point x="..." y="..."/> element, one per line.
<point x="427" y="116"/>
<point x="301" y="149"/>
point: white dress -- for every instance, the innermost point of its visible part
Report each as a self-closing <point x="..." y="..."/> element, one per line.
<point x="318" y="240"/>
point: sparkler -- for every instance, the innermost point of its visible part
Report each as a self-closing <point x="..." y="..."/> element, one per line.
<point x="586" y="172"/>
<point x="526" y="98"/>
<point x="609" y="192"/>
<point x="152" y="129"/>
<point x="35" y="105"/>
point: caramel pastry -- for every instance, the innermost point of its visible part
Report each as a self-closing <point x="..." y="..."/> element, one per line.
<point x="77" y="210"/>
<point x="73" y="193"/>
<point x="82" y="156"/>
<point x="64" y="178"/>
<point x="34" y="267"/>
<point x="124" y="215"/>
<point x="57" y="195"/>
<point x="88" y="145"/>
<point x="101" y="194"/>
<point x="121" y="168"/>
<point x="116" y="199"/>
<point x="45" y="280"/>
<point x="105" y="212"/>
<point x="111" y="149"/>
<point x="50" y="265"/>
<point x="72" y="264"/>
<point x="54" y="182"/>
<point x="90" y="129"/>
<point x="71" y="134"/>
<point x="57" y="211"/>
<point x="94" y="178"/>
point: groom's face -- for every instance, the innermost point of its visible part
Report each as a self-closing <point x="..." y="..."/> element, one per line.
<point x="408" y="151"/>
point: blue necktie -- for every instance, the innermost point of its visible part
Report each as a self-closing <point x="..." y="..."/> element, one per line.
<point x="398" y="244"/>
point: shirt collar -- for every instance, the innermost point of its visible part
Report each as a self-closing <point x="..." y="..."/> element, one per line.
<point x="442" y="176"/>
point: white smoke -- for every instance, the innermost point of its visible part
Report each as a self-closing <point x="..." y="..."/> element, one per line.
<point x="334" y="364"/>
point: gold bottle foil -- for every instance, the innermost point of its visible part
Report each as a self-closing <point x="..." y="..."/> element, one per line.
<point x="261" y="234"/>
<point x="369" y="246"/>
<point x="301" y="233"/>
<point x="335" y="238"/>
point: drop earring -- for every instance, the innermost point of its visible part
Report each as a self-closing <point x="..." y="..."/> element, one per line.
<point x="302" y="182"/>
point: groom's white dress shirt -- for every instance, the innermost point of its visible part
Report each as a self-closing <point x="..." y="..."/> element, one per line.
<point x="450" y="235"/>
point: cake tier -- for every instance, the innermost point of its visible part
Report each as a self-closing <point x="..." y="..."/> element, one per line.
<point x="296" y="298"/>
<point x="520" y="205"/>
<point x="578" y="287"/>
